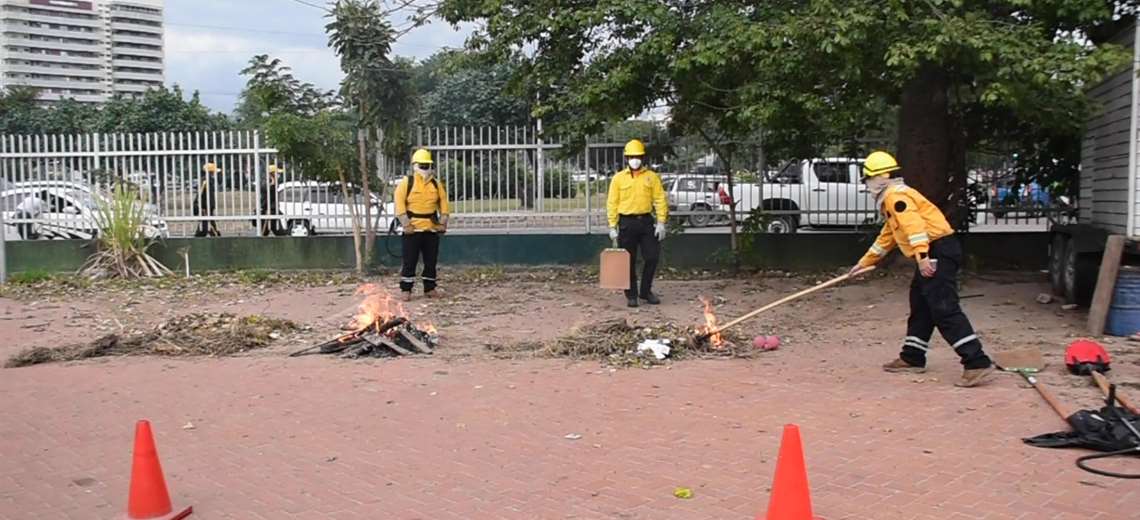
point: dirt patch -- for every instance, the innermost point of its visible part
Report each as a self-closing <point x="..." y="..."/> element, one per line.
<point x="616" y="343"/>
<point x="189" y="335"/>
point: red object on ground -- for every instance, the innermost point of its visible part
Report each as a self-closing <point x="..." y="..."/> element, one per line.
<point x="791" y="495"/>
<point x="1084" y="356"/>
<point x="148" y="497"/>
<point x="763" y="342"/>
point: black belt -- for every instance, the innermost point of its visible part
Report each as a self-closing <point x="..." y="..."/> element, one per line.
<point x="433" y="216"/>
<point x="638" y="215"/>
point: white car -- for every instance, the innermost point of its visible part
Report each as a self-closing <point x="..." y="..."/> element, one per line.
<point x="697" y="194"/>
<point x="311" y="207"/>
<point x="72" y="213"/>
<point x="812" y="192"/>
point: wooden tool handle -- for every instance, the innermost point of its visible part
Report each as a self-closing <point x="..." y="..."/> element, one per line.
<point x="1049" y="398"/>
<point x="1102" y="382"/>
<point x="777" y="303"/>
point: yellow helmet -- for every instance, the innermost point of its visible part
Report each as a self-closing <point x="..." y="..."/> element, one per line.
<point x="422" y="156"/>
<point x="274" y="169"/>
<point x="879" y="163"/>
<point x="634" y="148"/>
<point x="210" y="167"/>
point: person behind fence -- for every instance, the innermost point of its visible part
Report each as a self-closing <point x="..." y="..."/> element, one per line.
<point x="422" y="209"/>
<point x="920" y="230"/>
<point x="270" y="223"/>
<point x="636" y="196"/>
<point x="31" y="208"/>
<point x="206" y="201"/>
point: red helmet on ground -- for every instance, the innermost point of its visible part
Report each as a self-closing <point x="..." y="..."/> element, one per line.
<point x="1084" y="356"/>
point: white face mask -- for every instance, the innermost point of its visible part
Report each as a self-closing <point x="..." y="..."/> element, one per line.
<point x="425" y="170"/>
<point x="635" y="164"/>
<point x="876" y="185"/>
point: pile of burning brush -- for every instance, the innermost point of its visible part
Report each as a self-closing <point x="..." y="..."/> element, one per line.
<point x="616" y="341"/>
<point x="380" y="328"/>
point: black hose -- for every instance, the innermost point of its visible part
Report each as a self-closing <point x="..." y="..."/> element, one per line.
<point x="388" y="240"/>
<point x="1081" y="463"/>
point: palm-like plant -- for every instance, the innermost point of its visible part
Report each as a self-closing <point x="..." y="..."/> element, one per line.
<point x="122" y="244"/>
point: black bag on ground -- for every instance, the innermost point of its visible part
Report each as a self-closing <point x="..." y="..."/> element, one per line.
<point x="1100" y="430"/>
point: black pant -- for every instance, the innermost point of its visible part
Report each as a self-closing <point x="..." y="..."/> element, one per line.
<point x="271" y="225"/>
<point x="934" y="303"/>
<point x="207" y="228"/>
<point x="414" y="245"/>
<point x="636" y="232"/>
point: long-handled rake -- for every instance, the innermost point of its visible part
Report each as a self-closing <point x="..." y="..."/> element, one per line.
<point x="1028" y="362"/>
<point x="838" y="279"/>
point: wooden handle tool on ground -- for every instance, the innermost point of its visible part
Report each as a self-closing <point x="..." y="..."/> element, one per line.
<point x="1048" y="396"/>
<point x="786" y="299"/>
<point x="1102" y="382"/>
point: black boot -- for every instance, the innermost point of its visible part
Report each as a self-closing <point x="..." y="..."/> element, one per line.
<point x="651" y="299"/>
<point x="631" y="301"/>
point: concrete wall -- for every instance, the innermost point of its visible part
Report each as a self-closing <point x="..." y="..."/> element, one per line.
<point x="807" y="251"/>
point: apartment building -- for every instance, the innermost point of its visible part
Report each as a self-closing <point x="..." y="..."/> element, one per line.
<point x="87" y="50"/>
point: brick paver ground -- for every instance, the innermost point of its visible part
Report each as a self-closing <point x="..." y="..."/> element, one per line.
<point x="461" y="436"/>
<point x="275" y="438"/>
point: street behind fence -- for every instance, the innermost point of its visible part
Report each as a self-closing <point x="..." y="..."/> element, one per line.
<point x="498" y="178"/>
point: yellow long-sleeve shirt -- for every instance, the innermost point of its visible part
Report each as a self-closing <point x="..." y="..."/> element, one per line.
<point x="912" y="223"/>
<point x="636" y="194"/>
<point x="424" y="199"/>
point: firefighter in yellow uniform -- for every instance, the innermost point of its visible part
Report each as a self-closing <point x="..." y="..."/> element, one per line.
<point x="421" y="207"/>
<point x="920" y="230"/>
<point x="637" y="211"/>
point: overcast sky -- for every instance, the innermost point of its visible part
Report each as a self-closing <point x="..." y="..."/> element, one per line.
<point x="208" y="42"/>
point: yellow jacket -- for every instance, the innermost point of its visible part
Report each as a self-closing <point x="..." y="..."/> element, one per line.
<point x="424" y="199"/>
<point x="636" y="195"/>
<point x="912" y="224"/>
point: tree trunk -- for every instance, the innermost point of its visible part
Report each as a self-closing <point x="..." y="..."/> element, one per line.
<point x="932" y="149"/>
<point x="369" y="226"/>
<point x="356" y="242"/>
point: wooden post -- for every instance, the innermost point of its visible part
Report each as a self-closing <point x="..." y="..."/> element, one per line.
<point x="1105" y="284"/>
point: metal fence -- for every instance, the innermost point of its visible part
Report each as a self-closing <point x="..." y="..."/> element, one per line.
<point x="498" y="178"/>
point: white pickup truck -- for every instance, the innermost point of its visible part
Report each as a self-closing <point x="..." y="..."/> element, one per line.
<point x="813" y="192"/>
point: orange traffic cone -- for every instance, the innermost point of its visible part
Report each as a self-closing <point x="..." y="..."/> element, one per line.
<point x="791" y="496"/>
<point x="148" y="496"/>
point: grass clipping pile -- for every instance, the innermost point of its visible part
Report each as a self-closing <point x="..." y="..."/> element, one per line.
<point x="615" y="342"/>
<point x="189" y="335"/>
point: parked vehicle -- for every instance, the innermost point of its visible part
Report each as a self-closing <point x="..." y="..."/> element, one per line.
<point x="311" y="207"/>
<point x="699" y="194"/>
<point x="72" y="212"/>
<point x="811" y="192"/>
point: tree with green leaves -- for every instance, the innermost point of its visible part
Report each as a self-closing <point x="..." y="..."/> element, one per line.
<point x="272" y="88"/>
<point x="159" y="110"/>
<point x="813" y="73"/>
<point x="375" y="88"/>
<point x="457" y="88"/>
<point x="322" y="146"/>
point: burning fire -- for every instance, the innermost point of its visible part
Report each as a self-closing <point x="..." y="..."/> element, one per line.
<point x="376" y="308"/>
<point x="710" y="324"/>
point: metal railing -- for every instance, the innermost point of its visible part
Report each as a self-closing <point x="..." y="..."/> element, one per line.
<point x="497" y="178"/>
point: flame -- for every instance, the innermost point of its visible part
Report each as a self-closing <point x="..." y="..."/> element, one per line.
<point x="376" y="308"/>
<point x="710" y="324"/>
<point x="430" y="329"/>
